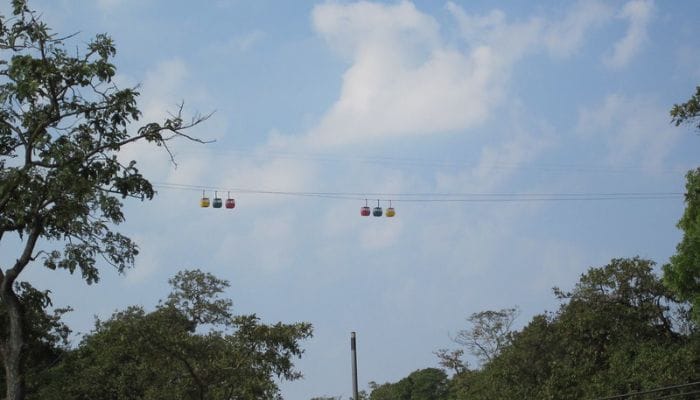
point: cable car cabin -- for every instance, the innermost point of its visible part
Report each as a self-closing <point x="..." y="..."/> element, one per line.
<point x="218" y="202"/>
<point x="230" y="203"/>
<point x="390" y="212"/>
<point x="364" y="211"/>
<point x="204" y="203"/>
<point x="377" y="212"/>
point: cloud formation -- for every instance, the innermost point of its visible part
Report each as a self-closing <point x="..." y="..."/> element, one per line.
<point x="563" y="38"/>
<point x="403" y="80"/>
<point x="634" y="128"/>
<point x="638" y="13"/>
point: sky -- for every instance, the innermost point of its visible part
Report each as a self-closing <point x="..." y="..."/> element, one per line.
<point x="537" y="120"/>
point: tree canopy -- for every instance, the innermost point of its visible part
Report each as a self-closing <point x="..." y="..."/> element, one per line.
<point x="618" y="331"/>
<point x="191" y="346"/>
<point x="63" y="122"/>
<point x="682" y="273"/>
<point x="688" y="112"/>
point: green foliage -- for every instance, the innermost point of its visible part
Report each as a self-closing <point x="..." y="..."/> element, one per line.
<point x="619" y="330"/>
<point x="47" y="335"/>
<point x="682" y="274"/>
<point x="63" y="123"/>
<point x="613" y="334"/>
<point x="452" y="360"/>
<point x="489" y="334"/>
<point x="163" y="355"/>
<point x="196" y="293"/>
<point x="424" y="384"/>
<point x="688" y="112"/>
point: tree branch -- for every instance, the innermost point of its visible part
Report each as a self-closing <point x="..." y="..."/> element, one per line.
<point x="12" y="274"/>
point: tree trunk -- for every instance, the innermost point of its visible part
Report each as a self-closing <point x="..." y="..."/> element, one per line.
<point x="13" y="348"/>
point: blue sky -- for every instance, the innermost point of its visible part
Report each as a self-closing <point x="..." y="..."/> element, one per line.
<point x="395" y="98"/>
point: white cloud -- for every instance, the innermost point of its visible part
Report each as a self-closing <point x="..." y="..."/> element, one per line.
<point x="510" y="41"/>
<point x="239" y="43"/>
<point x="634" y="128"/>
<point x="404" y="80"/>
<point x="639" y="13"/>
<point x="360" y="27"/>
<point x="162" y="88"/>
<point x="499" y="162"/>
<point x="563" y="38"/>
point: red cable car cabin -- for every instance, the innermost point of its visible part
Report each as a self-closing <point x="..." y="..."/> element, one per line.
<point x="364" y="211"/>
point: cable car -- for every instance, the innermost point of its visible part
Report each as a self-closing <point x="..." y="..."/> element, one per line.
<point x="390" y="212"/>
<point x="364" y="211"/>
<point x="230" y="203"/>
<point x="377" y="212"/>
<point x="204" y="203"/>
<point x="217" y="200"/>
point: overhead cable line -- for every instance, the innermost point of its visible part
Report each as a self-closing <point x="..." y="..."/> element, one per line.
<point x="427" y="197"/>
<point x="251" y="153"/>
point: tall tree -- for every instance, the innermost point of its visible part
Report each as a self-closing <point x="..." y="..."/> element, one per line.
<point x="62" y="125"/>
<point x="682" y="274"/>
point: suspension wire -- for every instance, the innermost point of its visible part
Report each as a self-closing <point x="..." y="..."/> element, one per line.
<point x="440" y="197"/>
<point x="252" y="153"/>
<point x="661" y="389"/>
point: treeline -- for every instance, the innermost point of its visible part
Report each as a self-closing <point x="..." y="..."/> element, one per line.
<point x="620" y="331"/>
<point x="191" y="346"/>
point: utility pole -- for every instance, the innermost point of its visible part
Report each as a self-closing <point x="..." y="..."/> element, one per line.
<point x="353" y="351"/>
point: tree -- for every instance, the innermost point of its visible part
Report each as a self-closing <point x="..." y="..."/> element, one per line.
<point x="490" y="333"/>
<point x="423" y="384"/>
<point x="46" y="334"/>
<point x="62" y="125"/>
<point x="682" y="274"/>
<point x="688" y="112"/>
<point x="613" y="334"/>
<point x="190" y="347"/>
<point x="452" y="360"/>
